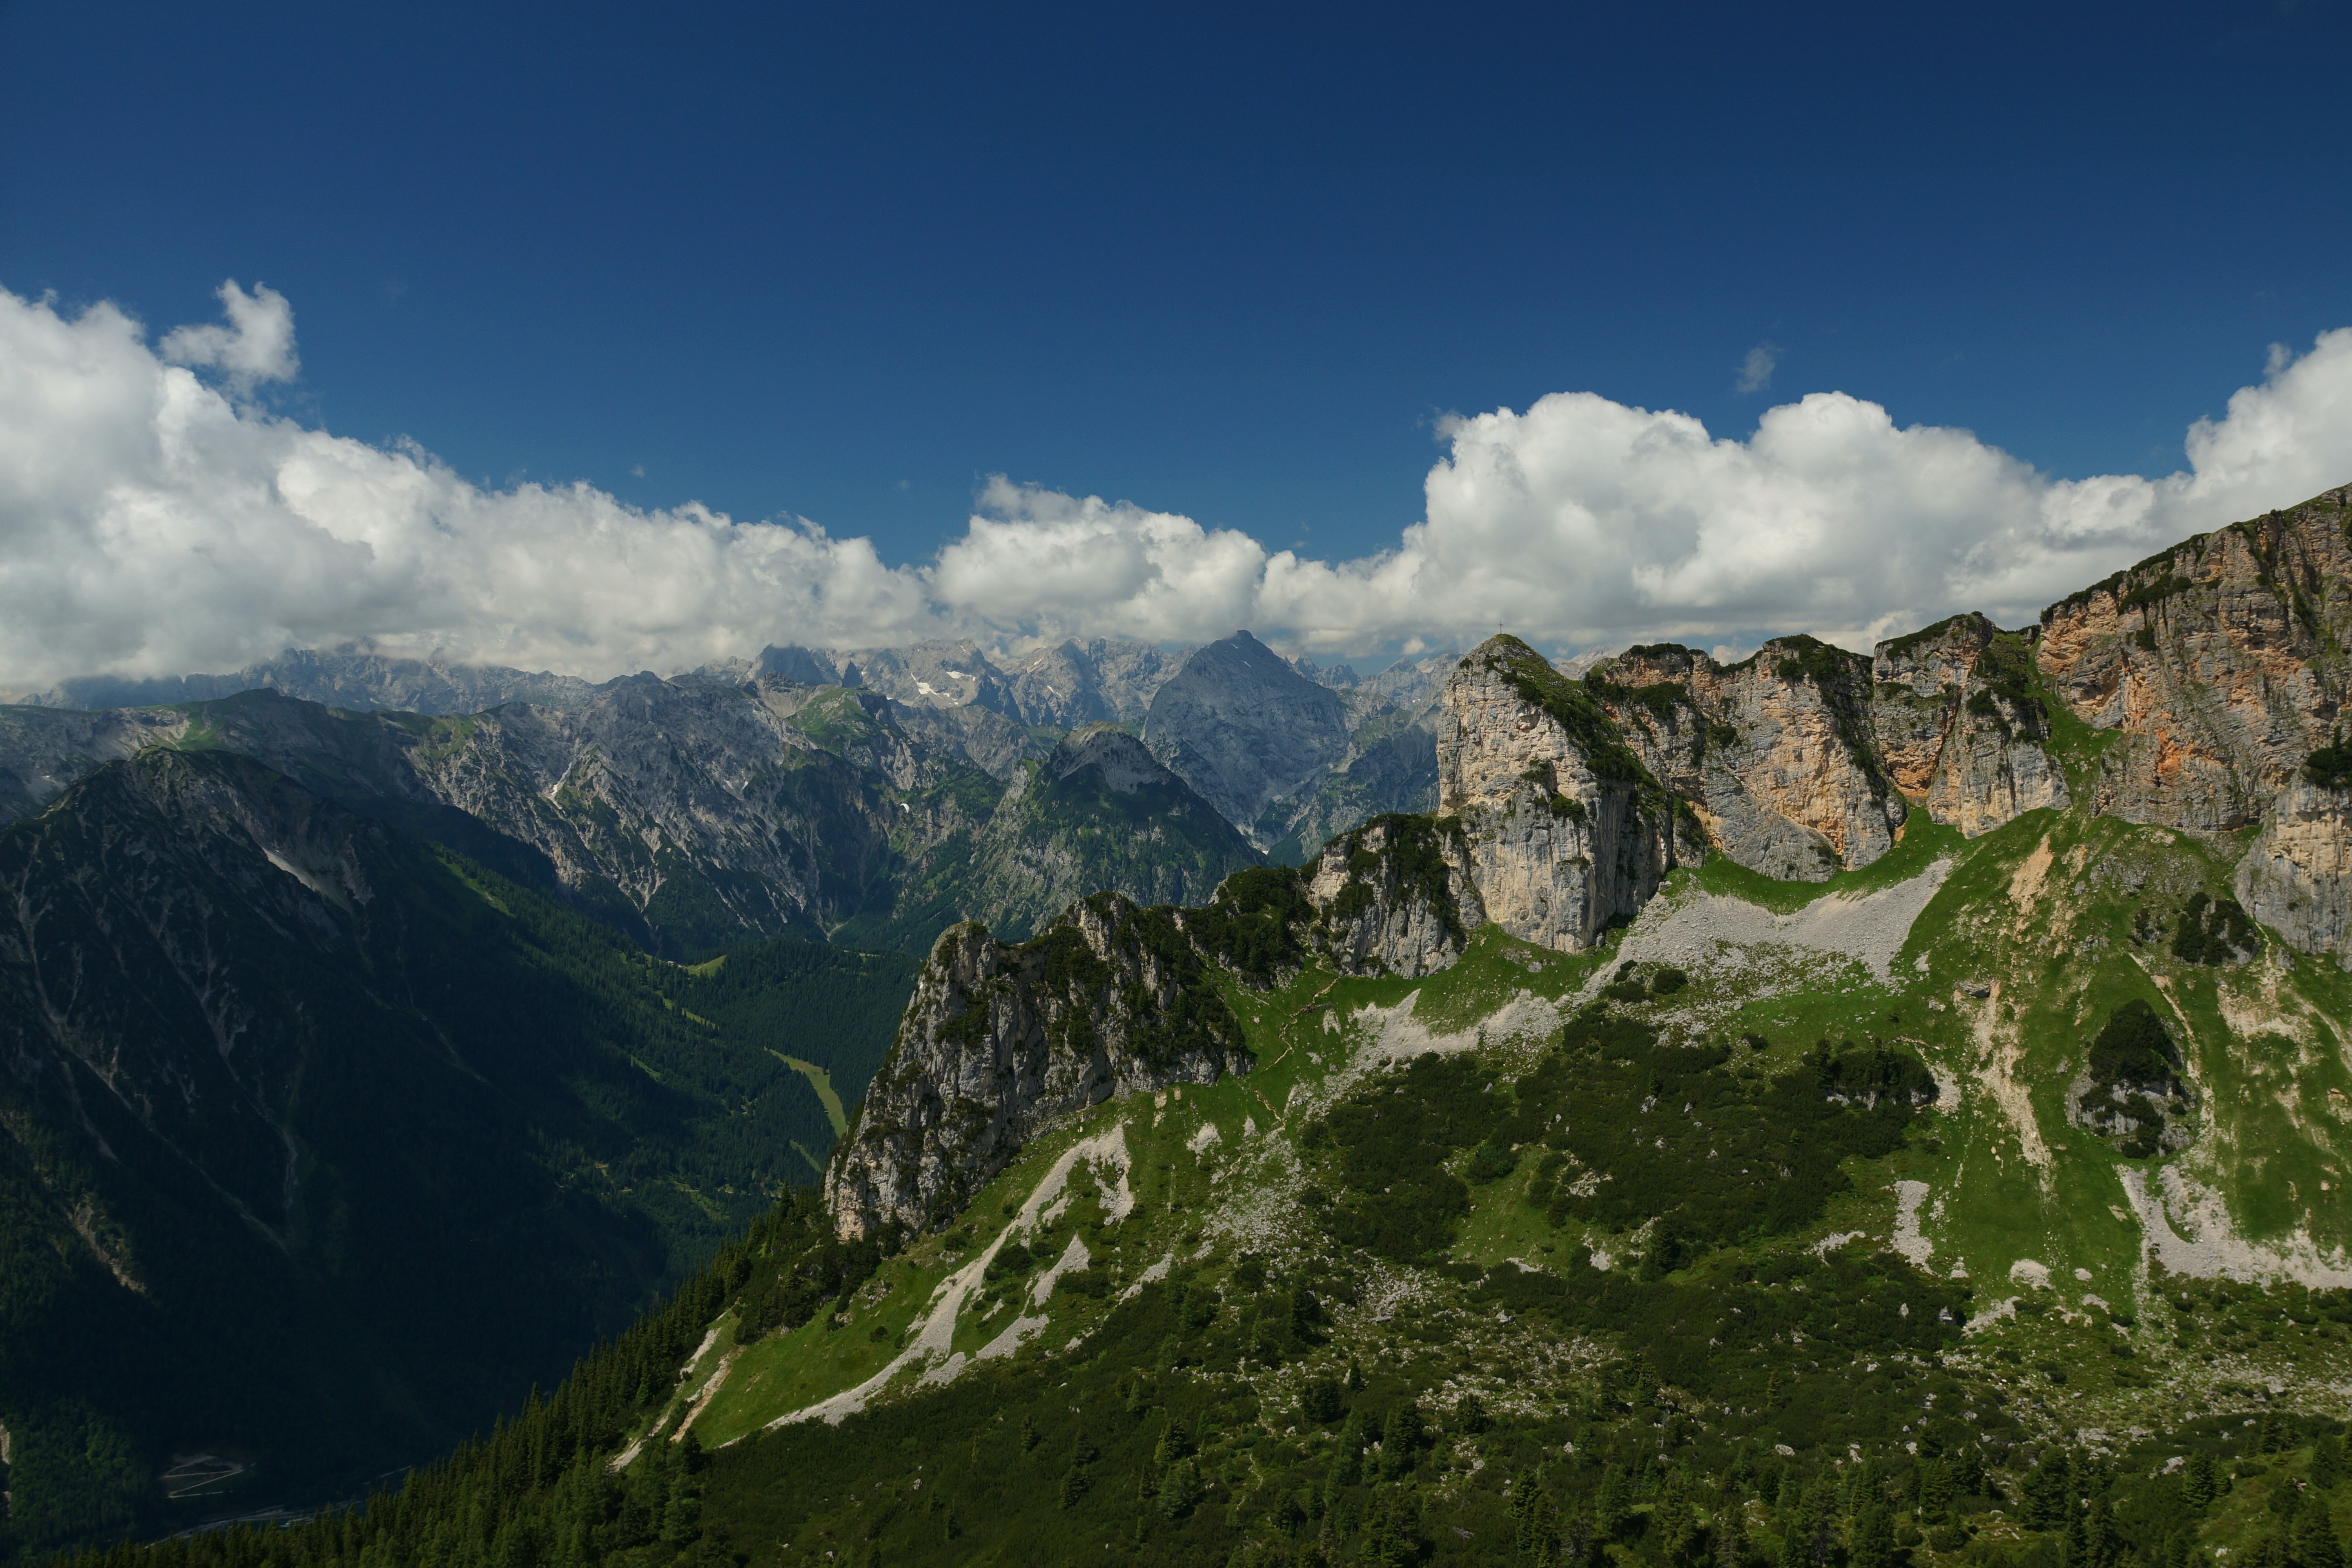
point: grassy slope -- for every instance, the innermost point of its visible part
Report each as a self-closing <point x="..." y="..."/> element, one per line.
<point x="1045" y="1455"/>
<point x="2041" y="912"/>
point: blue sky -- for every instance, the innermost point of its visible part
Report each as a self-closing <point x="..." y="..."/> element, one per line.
<point x="1234" y="264"/>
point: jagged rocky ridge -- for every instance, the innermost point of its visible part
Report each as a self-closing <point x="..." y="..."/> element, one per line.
<point x="1552" y="829"/>
<point x="1563" y="802"/>
<point x="2221" y="665"/>
<point x="847" y="792"/>
<point x="691" y="813"/>
<point x="998" y="1041"/>
<point x="1098" y="812"/>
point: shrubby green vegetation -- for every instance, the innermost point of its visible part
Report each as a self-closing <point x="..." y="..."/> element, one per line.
<point x="2214" y="930"/>
<point x="1171" y="1439"/>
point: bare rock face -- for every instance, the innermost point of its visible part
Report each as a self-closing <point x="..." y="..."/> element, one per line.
<point x="1242" y="726"/>
<point x="1993" y="766"/>
<point x="1080" y="681"/>
<point x="2297" y="878"/>
<point x="2219" y="660"/>
<point x="1775" y="754"/>
<point x="1563" y="829"/>
<point x="999" y="1042"/>
<point x="1915" y="694"/>
<point x="1803" y="749"/>
<point x="1391" y="896"/>
<point x="1798" y="761"/>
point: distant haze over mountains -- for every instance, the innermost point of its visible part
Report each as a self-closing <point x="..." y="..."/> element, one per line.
<point x="873" y="796"/>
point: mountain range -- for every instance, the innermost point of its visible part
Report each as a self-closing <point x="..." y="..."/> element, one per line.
<point x="1819" y="1108"/>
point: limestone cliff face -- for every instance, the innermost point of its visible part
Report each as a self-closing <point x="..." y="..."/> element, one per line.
<point x="2297" y="878"/>
<point x="1802" y="748"/>
<point x="1959" y="720"/>
<point x="1799" y="760"/>
<point x="1000" y="1041"/>
<point x="1993" y="766"/>
<point x="1391" y="896"/>
<point x="1916" y="695"/>
<point x="2220" y="660"/>
<point x="1775" y="754"/>
<point x="2223" y="663"/>
<point x="1562" y="828"/>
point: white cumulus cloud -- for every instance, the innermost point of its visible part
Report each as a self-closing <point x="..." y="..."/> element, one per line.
<point x="154" y="520"/>
<point x="257" y="345"/>
<point x="1755" y="370"/>
<point x="151" y="525"/>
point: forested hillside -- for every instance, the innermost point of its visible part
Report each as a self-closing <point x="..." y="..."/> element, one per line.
<point x="325" y="1145"/>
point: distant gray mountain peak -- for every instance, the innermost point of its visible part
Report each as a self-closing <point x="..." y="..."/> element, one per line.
<point x="1126" y="765"/>
<point x="1244" y="728"/>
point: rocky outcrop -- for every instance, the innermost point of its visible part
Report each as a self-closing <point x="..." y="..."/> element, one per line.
<point x="1800" y="746"/>
<point x="1389" y="897"/>
<point x="1000" y="1042"/>
<point x="1242" y="727"/>
<point x="1797" y="760"/>
<point x="1916" y="695"/>
<point x="1774" y="755"/>
<point x="2220" y="660"/>
<point x="1994" y="764"/>
<point x="2296" y="878"/>
<point x="1562" y="828"/>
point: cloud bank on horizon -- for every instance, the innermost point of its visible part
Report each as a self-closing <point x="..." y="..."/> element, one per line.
<point x="156" y="520"/>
